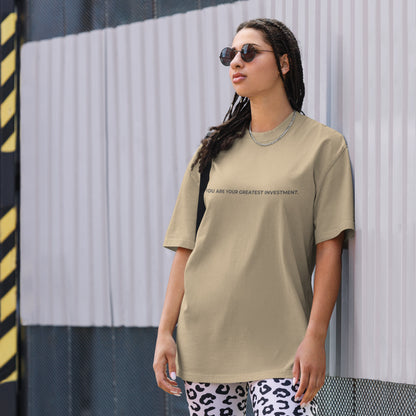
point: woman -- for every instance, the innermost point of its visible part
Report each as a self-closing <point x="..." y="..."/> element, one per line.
<point x="279" y="200"/>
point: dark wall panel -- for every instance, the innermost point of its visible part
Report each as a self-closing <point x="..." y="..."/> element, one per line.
<point x="94" y="371"/>
<point x="45" y="19"/>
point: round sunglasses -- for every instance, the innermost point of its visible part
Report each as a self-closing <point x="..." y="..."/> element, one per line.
<point x="248" y="52"/>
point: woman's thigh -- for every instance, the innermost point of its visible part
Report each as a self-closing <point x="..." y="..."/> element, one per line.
<point x="210" y="399"/>
<point x="276" y="397"/>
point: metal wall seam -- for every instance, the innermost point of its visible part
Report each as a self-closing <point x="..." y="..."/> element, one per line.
<point x="410" y="226"/>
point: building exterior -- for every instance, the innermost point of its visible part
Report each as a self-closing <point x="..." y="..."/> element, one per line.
<point x="114" y="97"/>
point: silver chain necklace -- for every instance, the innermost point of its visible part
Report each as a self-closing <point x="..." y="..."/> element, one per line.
<point x="275" y="140"/>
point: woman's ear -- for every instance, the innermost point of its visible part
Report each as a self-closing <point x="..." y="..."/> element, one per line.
<point x="284" y="64"/>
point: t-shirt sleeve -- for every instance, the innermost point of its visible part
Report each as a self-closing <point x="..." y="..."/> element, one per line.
<point x="334" y="200"/>
<point x="182" y="227"/>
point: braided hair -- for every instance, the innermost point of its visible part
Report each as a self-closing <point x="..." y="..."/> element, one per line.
<point x="238" y="117"/>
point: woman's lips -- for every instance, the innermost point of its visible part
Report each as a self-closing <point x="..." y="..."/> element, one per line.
<point x="238" y="77"/>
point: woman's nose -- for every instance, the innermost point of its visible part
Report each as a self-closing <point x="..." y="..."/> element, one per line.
<point x="236" y="62"/>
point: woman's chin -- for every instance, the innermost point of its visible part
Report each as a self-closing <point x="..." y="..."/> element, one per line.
<point x="242" y="92"/>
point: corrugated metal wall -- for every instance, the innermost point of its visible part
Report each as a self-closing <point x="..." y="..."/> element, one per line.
<point x="110" y="119"/>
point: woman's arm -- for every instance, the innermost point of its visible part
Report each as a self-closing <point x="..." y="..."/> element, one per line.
<point x="310" y="361"/>
<point x="165" y="351"/>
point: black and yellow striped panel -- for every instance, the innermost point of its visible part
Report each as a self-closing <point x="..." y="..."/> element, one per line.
<point x="8" y="208"/>
<point x="8" y="295"/>
<point x="8" y="84"/>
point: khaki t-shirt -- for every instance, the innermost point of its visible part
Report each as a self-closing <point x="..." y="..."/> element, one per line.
<point x="248" y="290"/>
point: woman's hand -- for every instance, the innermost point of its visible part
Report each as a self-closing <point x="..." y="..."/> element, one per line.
<point x="309" y="368"/>
<point x="165" y="353"/>
<point x="310" y="362"/>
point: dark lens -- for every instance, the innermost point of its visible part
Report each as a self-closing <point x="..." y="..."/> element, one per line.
<point x="248" y="52"/>
<point x="227" y="55"/>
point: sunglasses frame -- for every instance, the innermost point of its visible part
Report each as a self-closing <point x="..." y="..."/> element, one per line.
<point x="246" y="49"/>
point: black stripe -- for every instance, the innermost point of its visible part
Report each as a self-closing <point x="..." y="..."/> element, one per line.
<point x="8" y="177"/>
<point x="5" y="210"/>
<point x="7" y="88"/>
<point x="7" y="131"/>
<point x="7" y="245"/>
<point x="7" y="47"/>
<point x="7" y="283"/>
<point x="8" y="368"/>
<point x="8" y="324"/>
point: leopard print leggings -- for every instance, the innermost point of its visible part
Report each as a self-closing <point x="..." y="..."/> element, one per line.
<point x="275" y="397"/>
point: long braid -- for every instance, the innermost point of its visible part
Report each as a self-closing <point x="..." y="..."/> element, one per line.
<point x="222" y="137"/>
<point x="238" y="116"/>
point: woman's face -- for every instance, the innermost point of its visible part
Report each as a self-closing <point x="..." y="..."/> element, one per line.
<point x="260" y="77"/>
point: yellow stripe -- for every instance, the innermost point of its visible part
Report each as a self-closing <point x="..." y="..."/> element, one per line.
<point x="8" y="66"/>
<point x="8" y="346"/>
<point x="8" y="108"/>
<point x="9" y="145"/>
<point x="8" y="264"/>
<point x="8" y="27"/>
<point x="8" y="303"/>
<point x="12" y="377"/>
<point x="8" y="224"/>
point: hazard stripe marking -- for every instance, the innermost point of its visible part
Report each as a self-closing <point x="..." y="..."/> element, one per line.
<point x="12" y="377"/>
<point x="8" y="303"/>
<point x="8" y="108"/>
<point x="8" y="220"/>
<point x="8" y="27"/>
<point x="8" y="224"/>
<point x="8" y="369"/>
<point x="8" y="283"/>
<point x="8" y="264"/>
<point x="8" y="346"/>
<point x="10" y="144"/>
<point x="7" y="324"/>
<point x="8" y="66"/>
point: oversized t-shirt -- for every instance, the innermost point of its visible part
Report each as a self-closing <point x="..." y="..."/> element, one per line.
<point x="248" y="293"/>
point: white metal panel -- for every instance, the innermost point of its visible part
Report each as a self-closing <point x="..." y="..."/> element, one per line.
<point x="163" y="88"/>
<point x="64" y="273"/>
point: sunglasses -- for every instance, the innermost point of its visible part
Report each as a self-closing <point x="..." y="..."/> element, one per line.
<point x="248" y="52"/>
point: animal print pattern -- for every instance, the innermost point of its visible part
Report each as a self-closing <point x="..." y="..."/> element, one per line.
<point x="274" y="397"/>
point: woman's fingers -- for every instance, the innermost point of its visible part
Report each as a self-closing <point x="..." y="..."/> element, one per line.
<point x="311" y="380"/>
<point x="296" y="371"/>
<point x="172" y="367"/>
<point x="165" y="354"/>
<point x="310" y="359"/>
<point x="303" y="384"/>
<point x="167" y="385"/>
<point x="315" y="382"/>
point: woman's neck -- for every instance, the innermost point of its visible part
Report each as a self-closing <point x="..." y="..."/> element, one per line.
<point x="267" y="114"/>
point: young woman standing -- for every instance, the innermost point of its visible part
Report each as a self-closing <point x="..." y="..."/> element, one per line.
<point x="278" y="203"/>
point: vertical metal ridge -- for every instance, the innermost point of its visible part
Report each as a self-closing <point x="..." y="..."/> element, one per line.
<point x="391" y="260"/>
<point x="367" y="174"/>
<point x="107" y="181"/>
<point x="411" y="191"/>
<point x="405" y="135"/>
<point x="377" y="133"/>
<point x="157" y="190"/>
